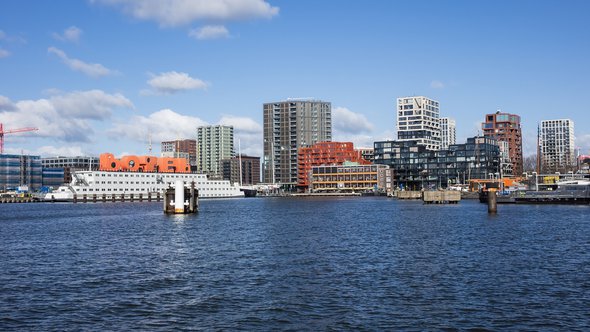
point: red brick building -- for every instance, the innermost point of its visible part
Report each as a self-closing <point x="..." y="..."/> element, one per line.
<point x="506" y="127"/>
<point x="324" y="153"/>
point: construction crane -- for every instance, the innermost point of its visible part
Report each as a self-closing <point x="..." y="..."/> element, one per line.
<point x="11" y="131"/>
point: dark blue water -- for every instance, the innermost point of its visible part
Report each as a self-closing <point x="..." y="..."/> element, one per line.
<point x="294" y="264"/>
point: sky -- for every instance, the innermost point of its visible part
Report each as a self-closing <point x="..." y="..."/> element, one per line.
<point x="114" y="75"/>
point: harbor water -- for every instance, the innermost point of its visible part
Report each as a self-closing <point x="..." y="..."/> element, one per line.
<point x="358" y="263"/>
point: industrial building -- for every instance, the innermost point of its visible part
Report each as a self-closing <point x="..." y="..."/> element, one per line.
<point x="506" y="127"/>
<point x="214" y="143"/>
<point x="324" y="153"/>
<point x="20" y="172"/>
<point x="288" y="126"/>
<point x="415" y="167"/>
<point x="556" y="143"/>
<point x="249" y="170"/>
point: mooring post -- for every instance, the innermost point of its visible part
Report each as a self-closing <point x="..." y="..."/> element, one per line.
<point x="492" y="201"/>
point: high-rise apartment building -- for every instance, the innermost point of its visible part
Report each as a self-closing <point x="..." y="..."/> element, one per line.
<point x="448" y="132"/>
<point x="506" y="127"/>
<point x="556" y="140"/>
<point x="214" y="143"/>
<point x="288" y="126"/>
<point x="418" y="119"/>
<point x="181" y="148"/>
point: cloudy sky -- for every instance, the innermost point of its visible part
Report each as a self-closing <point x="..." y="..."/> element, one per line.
<point x="106" y="75"/>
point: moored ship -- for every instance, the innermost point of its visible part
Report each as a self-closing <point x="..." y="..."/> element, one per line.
<point x="139" y="176"/>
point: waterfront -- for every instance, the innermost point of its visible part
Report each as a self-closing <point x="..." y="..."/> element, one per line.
<point x="299" y="263"/>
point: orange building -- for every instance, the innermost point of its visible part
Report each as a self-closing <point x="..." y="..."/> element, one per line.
<point x="324" y="153"/>
<point x="108" y="162"/>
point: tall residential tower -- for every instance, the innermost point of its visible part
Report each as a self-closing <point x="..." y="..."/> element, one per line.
<point x="418" y="119"/>
<point x="288" y="126"/>
<point x="506" y="127"/>
<point x="448" y="132"/>
<point x="214" y="143"/>
<point x="556" y="140"/>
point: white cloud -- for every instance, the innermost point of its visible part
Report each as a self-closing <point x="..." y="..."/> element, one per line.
<point x="209" y="32"/>
<point x="172" y="82"/>
<point x="163" y="125"/>
<point x="90" y="69"/>
<point x="4" y="53"/>
<point x="92" y="104"/>
<point x="346" y="121"/>
<point x="437" y="84"/>
<point x="64" y="151"/>
<point x="182" y="12"/>
<point x="65" y="117"/>
<point x="6" y="104"/>
<point x="71" y="34"/>
<point x="247" y="132"/>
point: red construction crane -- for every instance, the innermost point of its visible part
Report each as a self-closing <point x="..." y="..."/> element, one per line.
<point x="12" y="131"/>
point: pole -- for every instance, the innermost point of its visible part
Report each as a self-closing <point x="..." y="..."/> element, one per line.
<point x="492" y="201"/>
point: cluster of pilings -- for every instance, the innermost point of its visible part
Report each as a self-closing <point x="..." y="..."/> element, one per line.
<point x="180" y="199"/>
<point x="116" y="198"/>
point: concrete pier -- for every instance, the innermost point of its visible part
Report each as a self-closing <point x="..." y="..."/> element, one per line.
<point x="441" y="197"/>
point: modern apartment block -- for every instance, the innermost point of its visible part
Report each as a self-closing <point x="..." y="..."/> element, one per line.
<point x="556" y="140"/>
<point x="448" y="132"/>
<point x="324" y="153"/>
<point x="414" y="167"/>
<point x="185" y="148"/>
<point x="367" y="154"/>
<point x="214" y="143"/>
<point x="70" y="165"/>
<point x="20" y="171"/>
<point x="506" y="127"/>
<point x="418" y="119"/>
<point x="288" y="126"/>
<point x="250" y="169"/>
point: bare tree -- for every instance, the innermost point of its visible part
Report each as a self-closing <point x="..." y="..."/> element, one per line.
<point x="529" y="163"/>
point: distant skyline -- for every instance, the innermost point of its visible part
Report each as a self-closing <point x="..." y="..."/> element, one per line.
<point x="105" y="75"/>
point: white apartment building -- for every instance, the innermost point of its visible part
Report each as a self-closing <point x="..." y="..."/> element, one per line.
<point x="418" y="119"/>
<point x="214" y="143"/>
<point x="556" y="140"/>
<point x="448" y="130"/>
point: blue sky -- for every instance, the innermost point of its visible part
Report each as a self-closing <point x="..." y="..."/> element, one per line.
<point x="104" y="75"/>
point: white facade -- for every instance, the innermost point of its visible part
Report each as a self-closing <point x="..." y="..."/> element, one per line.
<point x="418" y="119"/>
<point x="214" y="143"/>
<point x="448" y="132"/>
<point x="556" y="140"/>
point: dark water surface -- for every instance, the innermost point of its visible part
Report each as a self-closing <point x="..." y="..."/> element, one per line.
<point x="294" y="264"/>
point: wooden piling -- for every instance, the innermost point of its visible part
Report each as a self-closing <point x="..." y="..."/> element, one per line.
<point x="492" y="201"/>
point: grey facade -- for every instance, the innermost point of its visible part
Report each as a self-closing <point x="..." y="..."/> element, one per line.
<point x="71" y="164"/>
<point x="288" y="126"/>
<point x="416" y="167"/>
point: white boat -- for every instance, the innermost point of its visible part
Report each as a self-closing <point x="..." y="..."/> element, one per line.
<point x="109" y="184"/>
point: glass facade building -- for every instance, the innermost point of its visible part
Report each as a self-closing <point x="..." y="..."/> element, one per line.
<point x="19" y="171"/>
<point x="415" y="167"/>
